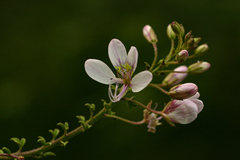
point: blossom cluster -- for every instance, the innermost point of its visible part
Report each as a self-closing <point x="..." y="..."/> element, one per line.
<point x="184" y="105"/>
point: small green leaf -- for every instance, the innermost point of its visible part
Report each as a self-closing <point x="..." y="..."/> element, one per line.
<point x="64" y="143"/>
<point x="64" y="126"/>
<point x="61" y="125"/>
<point x="19" y="142"/>
<point x="83" y="124"/>
<point x="81" y="118"/>
<point x="105" y="104"/>
<point x="16" y="140"/>
<point x="88" y="126"/>
<point x="42" y="140"/>
<point x="49" y="154"/>
<point x="90" y="106"/>
<point x="1" y="151"/>
<point x="48" y="144"/>
<point x="54" y="133"/>
<point x="6" y="150"/>
<point x="23" y="141"/>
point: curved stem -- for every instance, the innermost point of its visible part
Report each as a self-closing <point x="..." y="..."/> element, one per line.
<point x="125" y="120"/>
<point x="65" y="137"/>
<point x="169" y="56"/>
<point x="155" y="56"/>
<point x="172" y="71"/>
<point x="140" y="104"/>
<point x="172" y="62"/>
<point x="180" y="41"/>
<point x="159" y="88"/>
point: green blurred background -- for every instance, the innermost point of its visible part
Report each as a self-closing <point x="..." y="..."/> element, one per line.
<point x="44" y="44"/>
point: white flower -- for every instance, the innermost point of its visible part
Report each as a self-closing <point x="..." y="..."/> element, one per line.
<point x="125" y="64"/>
<point x="184" y="111"/>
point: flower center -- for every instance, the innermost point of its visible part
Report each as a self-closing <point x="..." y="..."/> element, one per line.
<point x="125" y="71"/>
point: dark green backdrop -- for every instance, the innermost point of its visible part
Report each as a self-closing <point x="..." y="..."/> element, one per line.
<point x="43" y="46"/>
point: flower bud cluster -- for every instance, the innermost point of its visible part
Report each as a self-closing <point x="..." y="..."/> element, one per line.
<point x="184" y="105"/>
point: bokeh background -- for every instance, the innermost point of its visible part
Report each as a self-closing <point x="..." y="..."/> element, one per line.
<point x="44" y="44"/>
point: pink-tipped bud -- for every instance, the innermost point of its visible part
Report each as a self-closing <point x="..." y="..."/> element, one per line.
<point x="149" y="34"/>
<point x="201" y="50"/>
<point x="173" y="79"/>
<point x="182" y="56"/>
<point x="199" y="67"/>
<point x="183" y="91"/>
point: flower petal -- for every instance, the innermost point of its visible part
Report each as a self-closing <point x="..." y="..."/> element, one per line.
<point x="98" y="71"/>
<point x="186" y="113"/>
<point x="117" y="52"/>
<point x="199" y="104"/>
<point x="132" y="58"/>
<point x="141" y="80"/>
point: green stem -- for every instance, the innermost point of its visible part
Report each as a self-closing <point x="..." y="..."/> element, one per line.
<point x="156" y="69"/>
<point x="140" y="104"/>
<point x="180" y="41"/>
<point x="172" y="62"/>
<point x="155" y="56"/>
<point x="57" y="142"/>
<point x="172" y="71"/>
<point x="125" y="120"/>
<point x="170" y="52"/>
<point x="159" y="88"/>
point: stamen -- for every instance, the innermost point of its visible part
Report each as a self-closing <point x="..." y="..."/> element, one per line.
<point x="156" y="105"/>
<point x="159" y="118"/>
<point x="116" y="97"/>
<point x="116" y="88"/>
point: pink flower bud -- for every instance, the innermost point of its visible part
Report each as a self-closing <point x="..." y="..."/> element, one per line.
<point x="183" y="111"/>
<point x="182" y="56"/>
<point x="174" y="78"/>
<point x="183" y="91"/>
<point x="149" y="34"/>
<point x="199" y="67"/>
